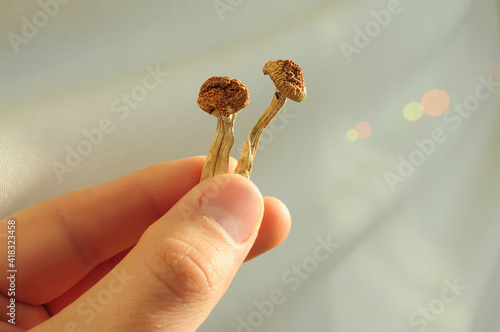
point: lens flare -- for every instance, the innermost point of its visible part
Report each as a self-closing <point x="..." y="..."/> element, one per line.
<point x="351" y="135"/>
<point x="364" y="129"/>
<point x="413" y="111"/>
<point x="435" y="102"/>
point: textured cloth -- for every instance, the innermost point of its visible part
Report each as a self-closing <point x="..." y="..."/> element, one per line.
<point x="390" y="167"/>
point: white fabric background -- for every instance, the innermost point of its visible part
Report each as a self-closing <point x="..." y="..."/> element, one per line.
<point x="395" y="249"/>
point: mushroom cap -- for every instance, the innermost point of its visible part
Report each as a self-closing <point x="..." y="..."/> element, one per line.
<point x="223" y="94"/>
<point x="288" y="78"/>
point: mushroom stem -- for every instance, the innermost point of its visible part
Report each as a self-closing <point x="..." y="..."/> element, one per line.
<point x="227" y="128"/>
<point x="224" y="98"/>
<point x="218" y="156"/>
<point x="245" y="162"/>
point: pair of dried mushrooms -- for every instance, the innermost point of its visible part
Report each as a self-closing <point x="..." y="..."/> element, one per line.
<point x="224" y="98"/>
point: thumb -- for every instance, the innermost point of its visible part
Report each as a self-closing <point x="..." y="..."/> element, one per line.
<point x="181" y="266"/>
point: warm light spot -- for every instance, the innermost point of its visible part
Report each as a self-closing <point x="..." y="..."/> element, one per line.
<point x="364" y="129"/>
<point x="351" y="135"/>
<point x="413" y="111"/>
<point x="435" y="102"/>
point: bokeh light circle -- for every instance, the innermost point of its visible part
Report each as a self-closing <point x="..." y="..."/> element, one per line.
<point x="364" y="129"/>
<point x="435" y="102"/>
<point x="413" y="111"/>
<point x="351" y="135"/>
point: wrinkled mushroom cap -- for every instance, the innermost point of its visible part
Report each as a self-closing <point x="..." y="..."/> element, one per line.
<point x="288" y="78"/>
<point x="223" y="94"/>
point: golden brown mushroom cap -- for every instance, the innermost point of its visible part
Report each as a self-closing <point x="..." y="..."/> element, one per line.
<point x="223" y="94"/>
<point x="288" y="78"/>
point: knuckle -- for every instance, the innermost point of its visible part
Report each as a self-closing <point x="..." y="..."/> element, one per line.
<point x="184" y="269"/>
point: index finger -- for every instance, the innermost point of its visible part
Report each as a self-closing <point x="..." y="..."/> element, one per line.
<point x="60" y="240"/>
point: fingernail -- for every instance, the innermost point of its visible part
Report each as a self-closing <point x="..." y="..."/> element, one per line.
<point x="234" y="203"/>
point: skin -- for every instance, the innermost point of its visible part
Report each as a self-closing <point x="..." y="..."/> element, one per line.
<point x="175" y="261"/>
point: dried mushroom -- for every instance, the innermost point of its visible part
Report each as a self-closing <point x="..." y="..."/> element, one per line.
<point x="223" y="98"/>
<point x="288" y="78"/>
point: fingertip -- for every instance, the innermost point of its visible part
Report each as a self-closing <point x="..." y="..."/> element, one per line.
<point x="278" y="211"/>
<point x="275" y="227"/>
<point x="232" y="164"/>
<point x="235" y="203"/>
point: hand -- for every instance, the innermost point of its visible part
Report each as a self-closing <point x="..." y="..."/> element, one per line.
<point x="153" y="250"/>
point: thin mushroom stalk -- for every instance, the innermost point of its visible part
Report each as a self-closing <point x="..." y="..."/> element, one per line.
<point x="218" y="156"/>
<point x="223" y="98"/>
<point x="245" y="162"/>
<point x="289" y="81"/>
